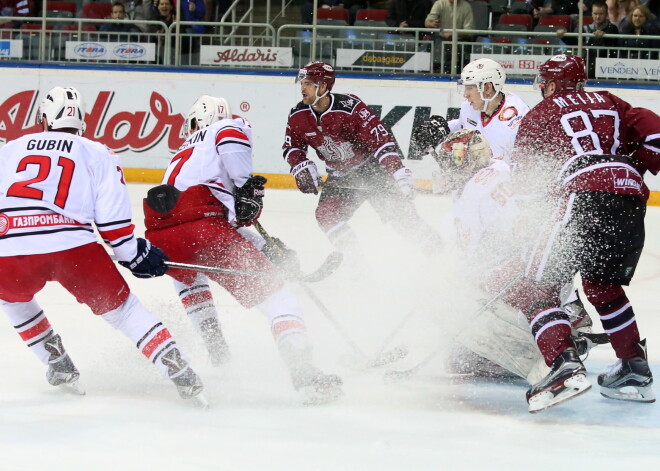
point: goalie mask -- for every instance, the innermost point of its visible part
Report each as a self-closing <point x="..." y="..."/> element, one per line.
<point x="63" y="108"/>
<point x="461" y="155"/>
<point x="206" y="111"/>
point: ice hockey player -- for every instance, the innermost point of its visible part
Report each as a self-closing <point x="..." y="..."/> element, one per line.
<point x="585" y="151"/>
<point x="200" y="215"/>
<point x="53" y="186"/>
<point x="361" y="157"/>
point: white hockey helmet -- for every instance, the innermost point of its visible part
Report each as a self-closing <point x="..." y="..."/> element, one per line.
<point x="205" y="111"/>
<point x="480" y="72"/>
<point x="63" y="108"/>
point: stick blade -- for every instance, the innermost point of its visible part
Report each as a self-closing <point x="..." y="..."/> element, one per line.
<point x="327" y="268"/>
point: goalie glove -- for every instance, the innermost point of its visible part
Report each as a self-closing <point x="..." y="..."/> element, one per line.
<point x="307" y="177"/>
<point x="248" y="200"/>
<point x="404" y="179"/>
<point x="428" y="135"/>
<point x="148" y="262"/>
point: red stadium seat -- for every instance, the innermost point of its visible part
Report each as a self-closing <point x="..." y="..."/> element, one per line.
<point x="97" y="11"/>
<point x="62" y="6"/>
<point x="563" y="21"/>
<point x="332" y="14"/>
<point x="587" y="20"/>
<point x="371" y="15"/>
<point x="525" y="20"/>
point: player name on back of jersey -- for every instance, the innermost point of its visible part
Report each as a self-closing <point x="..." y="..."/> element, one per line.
<point x="62" y="145"/>
<point x="579" y="98"/>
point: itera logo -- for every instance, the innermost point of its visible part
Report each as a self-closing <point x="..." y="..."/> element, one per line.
<point x="90" y="50"/>
<point x="129" y="51"/>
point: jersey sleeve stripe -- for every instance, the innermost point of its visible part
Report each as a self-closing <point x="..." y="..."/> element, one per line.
<point x="114" y="235"/>
<point x="231" y="133"/>
<point x="229" y="141"/>
<point x="113" y="223"/>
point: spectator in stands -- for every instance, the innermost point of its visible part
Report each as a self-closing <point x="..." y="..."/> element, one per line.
<point x="408" y="13"/>
<point x="442" y="16"/>
<point x="619" y="10"/>
<point x="121" y="26"/>
<point x="193" y="10"/>
<point x="141" y="10"/>
<point x="17" y="8"/>
<point x="600" y="26"/>
<point x="638" y="25"/>
<point x="165" y="13"/>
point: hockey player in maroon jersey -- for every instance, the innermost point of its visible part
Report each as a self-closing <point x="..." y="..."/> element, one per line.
<point x="586" y="152"/>
<point x="53" y="186"/>
<point x="200" y="214"/>
<point x="362" y="160"/>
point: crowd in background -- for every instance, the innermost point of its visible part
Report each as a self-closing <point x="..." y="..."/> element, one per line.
<point x="636" y="18"/>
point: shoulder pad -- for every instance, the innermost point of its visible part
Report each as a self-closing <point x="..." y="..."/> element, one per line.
<point x="345" y="102"/>
<point x="299" y="107"/>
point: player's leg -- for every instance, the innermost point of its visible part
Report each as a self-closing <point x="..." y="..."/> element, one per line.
<point x="197" y="300"/>
<point x="339" y="200"/>
<point x="608" y="263"/>
<point x="551" y="265"/>
<point x="20" y="279"/>
<point x="104" y="290"/>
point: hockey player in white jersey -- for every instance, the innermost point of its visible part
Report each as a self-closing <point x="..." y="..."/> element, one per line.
<point x="200" y="214"/>
<point x="54" y="186"/>
<point x="496" y="114"/>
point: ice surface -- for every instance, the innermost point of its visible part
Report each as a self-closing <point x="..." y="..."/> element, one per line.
<point x="132" y="419"/>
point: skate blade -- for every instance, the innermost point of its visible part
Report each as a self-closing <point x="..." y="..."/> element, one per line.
<point x="199" y="401"/>
<point x="313" y="397"/>
<point x="74" y="387"/>
<point x="573" y="387"/>
<point x="630" y="393"/>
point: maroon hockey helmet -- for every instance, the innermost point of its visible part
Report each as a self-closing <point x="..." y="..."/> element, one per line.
<point x="564" y="70"/>
<point x="318" y="72"/>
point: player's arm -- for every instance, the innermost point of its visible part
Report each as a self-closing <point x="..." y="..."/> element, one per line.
<point x="643" y="134"/>
<point x="113" y="218"/>
<point x="295" y="154"/>
<point x="377" y="140"/>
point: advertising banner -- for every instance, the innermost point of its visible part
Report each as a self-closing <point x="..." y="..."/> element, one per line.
<point x="247" y="56"/>
<point x="417" y="61"/>
<point x="120" y="51"/>
<point x="140" y="114"/>
<point x="515" y="64"/>
<point x="11" y="48"/>
<point x="637" y="69"/>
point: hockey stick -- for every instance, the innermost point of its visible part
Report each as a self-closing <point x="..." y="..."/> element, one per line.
<point x="224" y="271"/>
<point x="395" y="376"/>
<point x="383" y="358"/>
<point x="327" y="268"/>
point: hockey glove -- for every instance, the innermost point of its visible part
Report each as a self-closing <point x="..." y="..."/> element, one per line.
<point x="428" y="135"/>
<point x="282" y="256"/>
<point x="248" y="200"/>
<point x="404" y="179"/>
<point x="148" y="262"/>
<point x="307" y="177"/>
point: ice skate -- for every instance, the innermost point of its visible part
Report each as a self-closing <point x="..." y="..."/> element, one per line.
<point x="315" y="386"/>
<point x="629" y="379"/>
<point x="215" y="342"/>
<point x="187" y="383"/>
<point x="566" y="380"/>
<point x="61" y="370"/>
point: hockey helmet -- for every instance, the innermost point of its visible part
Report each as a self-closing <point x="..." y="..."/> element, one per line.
<point x="564" y="70"/>
<point x="480" y="72"/>
<point x="63" y="108"/>
<point x="205" y="111"/>
<point x="318" y="72"/>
